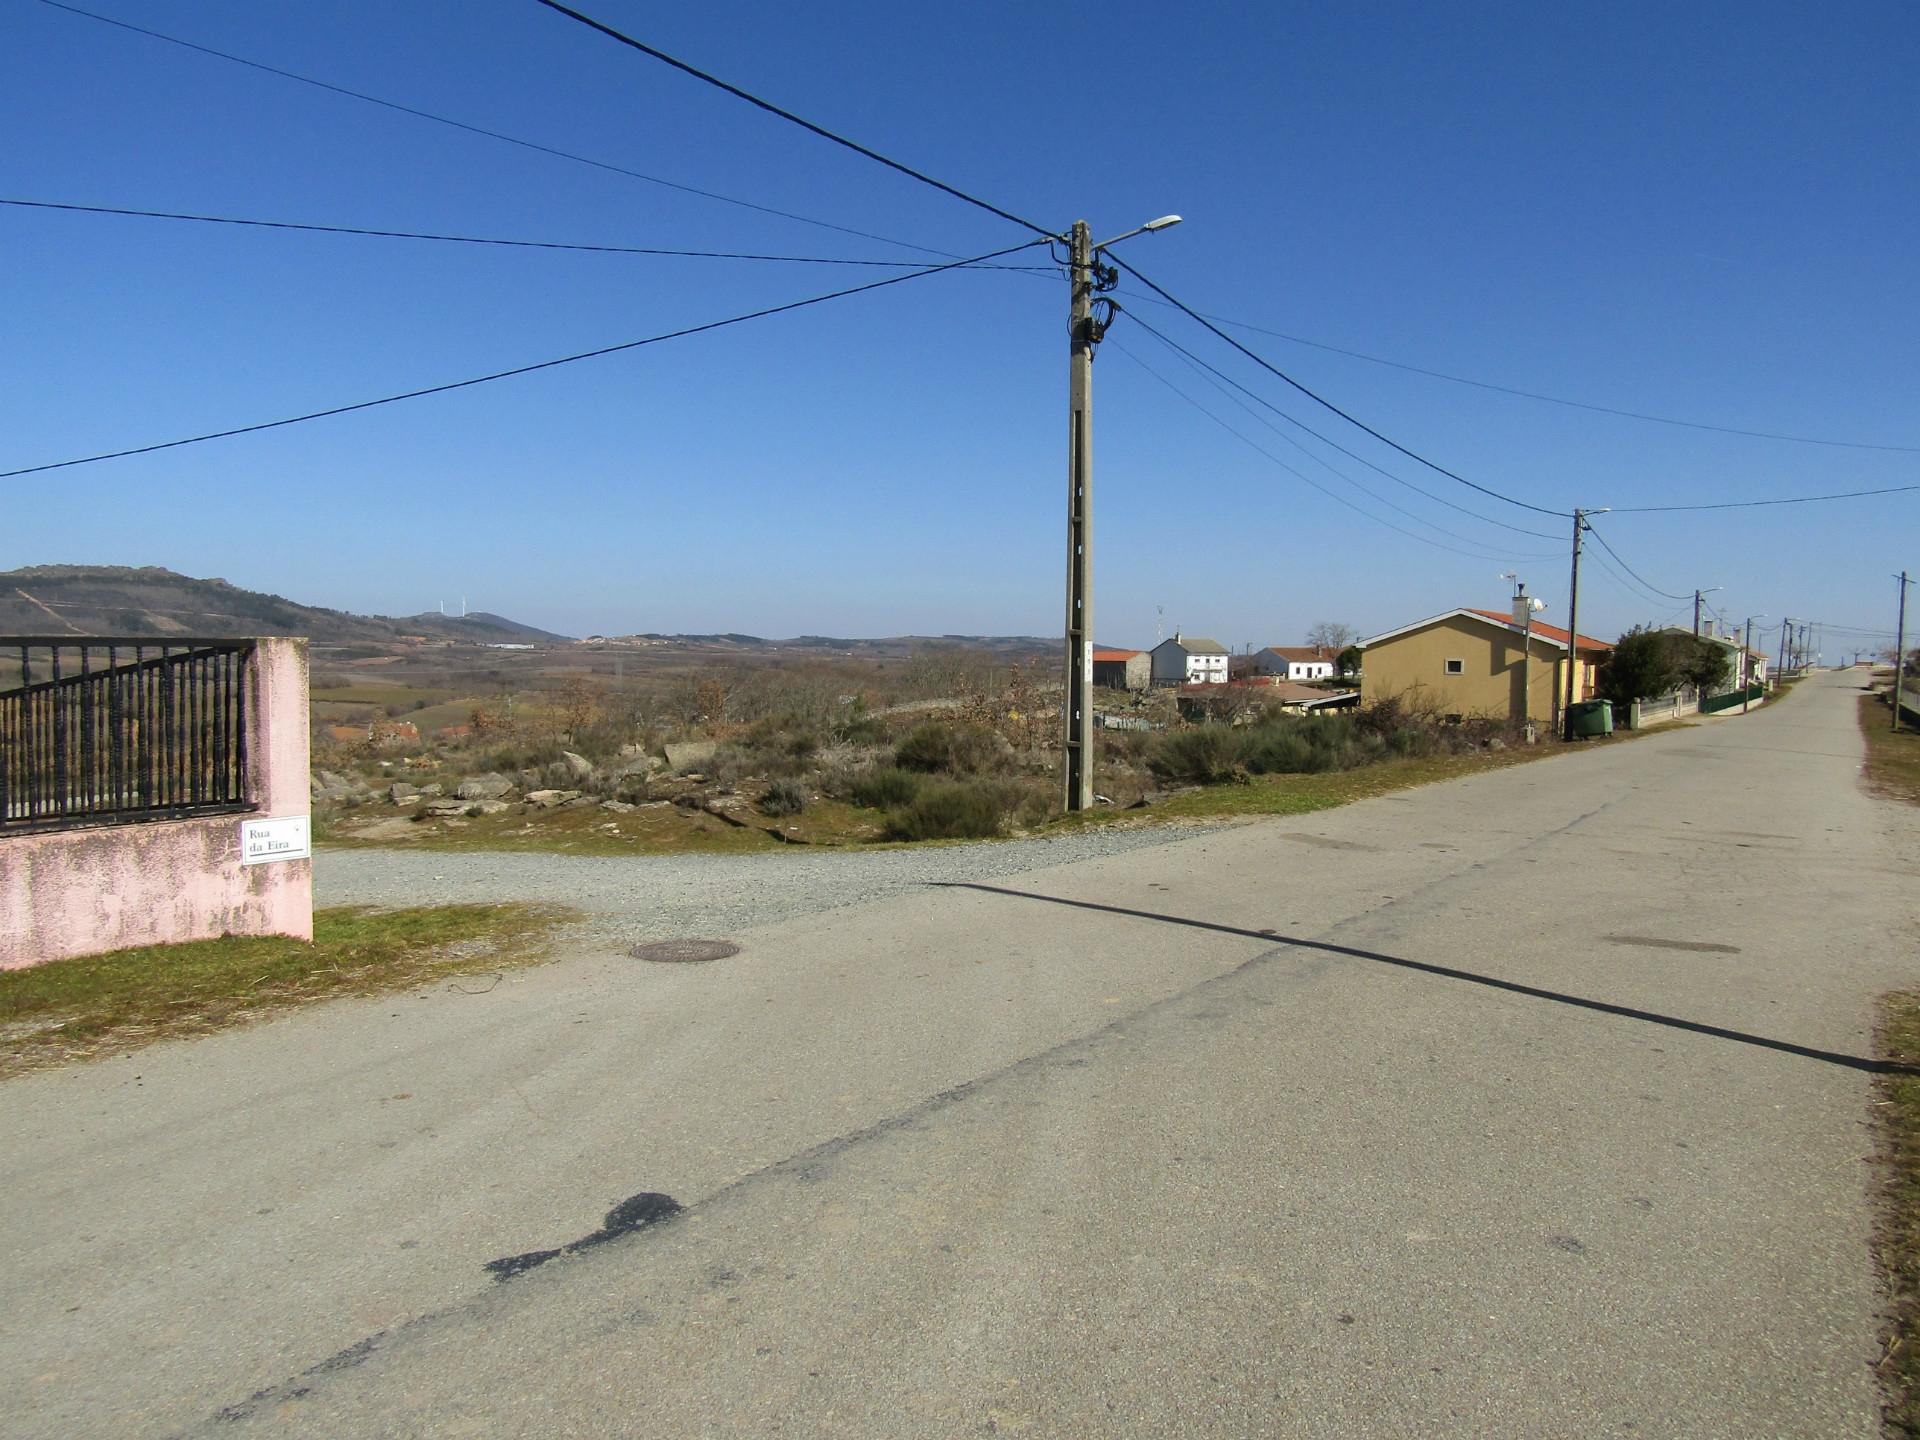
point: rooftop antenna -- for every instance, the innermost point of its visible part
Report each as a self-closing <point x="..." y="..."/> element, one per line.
<point x="1159" y="623"/>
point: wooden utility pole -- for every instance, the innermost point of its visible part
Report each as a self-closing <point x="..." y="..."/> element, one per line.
<point x="1900" y="650"/>
<point x="1573" y="628"/>
<point x="1079" y="705"/>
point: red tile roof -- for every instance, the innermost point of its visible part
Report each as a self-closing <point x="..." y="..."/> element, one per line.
<point x="1116" y="654"/>
<point x="1546" y="632"/>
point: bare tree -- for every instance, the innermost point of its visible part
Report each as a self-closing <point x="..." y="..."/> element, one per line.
<point x="1332" y="635"/>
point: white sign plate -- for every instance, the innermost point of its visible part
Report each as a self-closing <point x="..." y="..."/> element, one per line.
<point x="287" y="838"/>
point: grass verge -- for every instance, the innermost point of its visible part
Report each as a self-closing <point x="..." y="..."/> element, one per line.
<point x="1893" y="760"/>
<point x="104" y="1004"/>
<point x="1898" y="1233"/>
<point x="1303" y="794"/>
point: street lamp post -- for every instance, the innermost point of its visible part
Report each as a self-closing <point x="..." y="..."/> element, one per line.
<point x="1089" y="277"/>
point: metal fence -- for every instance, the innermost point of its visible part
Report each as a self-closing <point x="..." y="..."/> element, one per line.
<point x="110" y="731"/>
<point x="1715" y="704"/>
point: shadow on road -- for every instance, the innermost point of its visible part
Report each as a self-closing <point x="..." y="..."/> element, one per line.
<point x="1447" y="972"/>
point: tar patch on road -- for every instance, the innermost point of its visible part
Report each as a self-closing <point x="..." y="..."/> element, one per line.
<point x="1654" y="942"/>
<point x="636" y="1212"/>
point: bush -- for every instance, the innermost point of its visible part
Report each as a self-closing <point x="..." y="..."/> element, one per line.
<point x="951" y="749"/>
<point x="952" y="810"/>
<point x="886" y="789"/>
<point x="1278" y="751"/>
<point x="784" y="797"/>
<point x="1200" y="756"/>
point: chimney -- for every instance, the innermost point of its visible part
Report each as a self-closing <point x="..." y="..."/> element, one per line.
<point x="1521" y="603"/>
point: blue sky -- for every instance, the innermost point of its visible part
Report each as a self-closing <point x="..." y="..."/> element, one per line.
<point x="1703" y="212"/>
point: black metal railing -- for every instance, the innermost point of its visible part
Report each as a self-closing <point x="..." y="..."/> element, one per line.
<point x="109" y="731"/>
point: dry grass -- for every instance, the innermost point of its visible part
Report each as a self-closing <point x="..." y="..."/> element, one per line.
<point x="105" y="1004"/>
<point x="1898" y="1233"/>
<point x="1893" y="760"/>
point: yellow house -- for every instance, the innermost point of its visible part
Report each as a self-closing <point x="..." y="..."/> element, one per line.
<point x="1479" y="662"/>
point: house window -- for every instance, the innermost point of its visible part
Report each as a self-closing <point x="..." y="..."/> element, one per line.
<point x="1456" y="667"/>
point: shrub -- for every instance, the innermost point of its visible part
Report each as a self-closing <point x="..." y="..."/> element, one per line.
<point x="886" y="789"/>
<point x="784" y="797"/>
<point x="952" y="810"/>
<point x="1279" y="751"/>
<point x="1200" y="756"/>
<point x="933" y="747"/>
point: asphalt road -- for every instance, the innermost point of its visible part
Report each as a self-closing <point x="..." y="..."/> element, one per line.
<point x="1529" y="1105"/>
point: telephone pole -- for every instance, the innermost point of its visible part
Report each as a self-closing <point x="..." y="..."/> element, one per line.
<point x="1696" y="604"/>
<point x="1079" y="738"/>
<point x="1085" y="330"/>
<point x="1573" y="626"/>
<point x="1900" y="650"/>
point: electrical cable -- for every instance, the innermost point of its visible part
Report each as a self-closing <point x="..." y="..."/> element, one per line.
<point x="1664" y="594"/>
<point x="1221" y="383"/>
<point x="489" y="134"/>
<point x="1223" y="378"/>
<point x="1268" y="366"/>
<point x="1635" y="593"/>
<point x="1750" y="504"/>
<point x="1558" y="399"/>
<point x="788" y="115"/>
<point x="478" y="239"/>
<point x="518" y="369"/>
<point x="1291" y="470"/>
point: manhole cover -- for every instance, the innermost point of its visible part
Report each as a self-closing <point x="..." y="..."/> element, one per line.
<point x="684" y="952"/>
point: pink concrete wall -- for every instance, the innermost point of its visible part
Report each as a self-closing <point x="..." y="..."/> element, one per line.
<point x="81" y="892"/>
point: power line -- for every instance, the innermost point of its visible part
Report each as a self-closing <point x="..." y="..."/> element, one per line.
<point x="788" y="115"/>
<point x="1268" y="366"/>
<point x="472" y="129"/>
<point x="1560" y="399"/>
<point x="518" y="369"/>
<point x="1223" y="378"/>
<point x="1750" y="504"/>
<point x="1296" y="473"/>
<point x="471" y="239"/>
<point x="1222" y="384"/>
<point x="1664" y="594"/>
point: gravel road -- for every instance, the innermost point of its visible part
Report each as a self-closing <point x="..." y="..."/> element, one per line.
<point x="657" y="897"/>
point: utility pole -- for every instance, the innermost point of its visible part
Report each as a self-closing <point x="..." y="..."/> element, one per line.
<point x="1746" y="664"/>
<point x="1900" y="650"/>
<point x="1079" y="738"/>
<point x="1085" y="330"/>
<point x="1786" y="625"/>
<point x="1573" y="625"/>
<point x="1696" y="604"/>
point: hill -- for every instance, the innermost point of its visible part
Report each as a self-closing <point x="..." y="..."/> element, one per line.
<point x="151" y="600"/>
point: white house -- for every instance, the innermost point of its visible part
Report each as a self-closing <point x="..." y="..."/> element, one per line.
<point x="1189" y="660"/>
<point x="1295" y="662"/>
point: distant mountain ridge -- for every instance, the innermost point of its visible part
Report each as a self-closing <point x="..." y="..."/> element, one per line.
<point x="151" y="600"/>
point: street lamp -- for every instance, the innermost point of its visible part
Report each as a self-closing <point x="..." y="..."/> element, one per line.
<point x="1088" y="277"/>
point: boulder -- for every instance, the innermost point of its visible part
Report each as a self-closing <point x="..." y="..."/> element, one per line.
<point x="641" y="765"/>
<point x="401" y="793"/>
<point x="578" y="766"/>
<point x="683" y="753"/>
<point x="446" y="805"/>
<point x="549" y="799"/>
<point x="486" y="807"/>
<point x="618" y="807"/>
<point x="436" y="788"/>
<point x="485" y="787"/>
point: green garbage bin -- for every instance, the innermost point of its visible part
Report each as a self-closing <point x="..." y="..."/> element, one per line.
<point x="1591" y="718"/>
